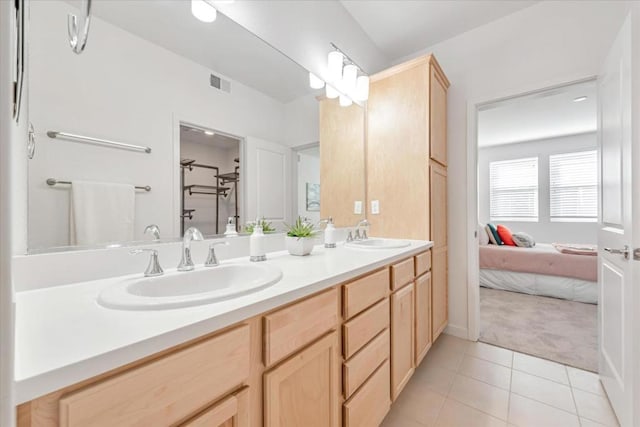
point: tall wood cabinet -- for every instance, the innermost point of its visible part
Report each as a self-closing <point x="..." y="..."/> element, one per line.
<point x="407" y="166"/>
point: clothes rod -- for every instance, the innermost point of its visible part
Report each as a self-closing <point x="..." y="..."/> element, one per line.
<point x="106" y="142"/>
<point x="53" y="181"/>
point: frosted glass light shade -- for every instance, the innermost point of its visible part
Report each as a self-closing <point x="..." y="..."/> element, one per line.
<point x="203" y="10"/>
<point x="362" y="88"/>
<point x="349" y="77"/>
<point x="331" y="92"/>
<point x="334" y="66"/>
<point x="345" y="101"/>
<point x="315" y="82"/>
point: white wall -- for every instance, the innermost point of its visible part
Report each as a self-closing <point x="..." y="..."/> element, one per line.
<point x="308" y="172"/>
<point x="543" y="230"/>
<point x="126" y="89"/>
<point x="547" y="44"/>
<point x="301" y="124"/>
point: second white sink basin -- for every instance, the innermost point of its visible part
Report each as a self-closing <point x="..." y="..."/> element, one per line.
<point x="378" y="244"/>
<point x="177" y="289"/>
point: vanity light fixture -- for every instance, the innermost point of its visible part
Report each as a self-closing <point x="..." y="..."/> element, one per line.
<point x="335" y="61"/>
<point x="331" y="92"/>
<point x="362" y="88"/>
<point x="580" y="99"/>
<point x="204" y="10"/>
<point x="345" y="101"/>
<point x="315" y="82"/>
<point x="349" y="76"/>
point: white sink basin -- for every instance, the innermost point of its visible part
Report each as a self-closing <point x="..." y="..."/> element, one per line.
<point x="378" y="244"/>
<point x="177" y="289"/>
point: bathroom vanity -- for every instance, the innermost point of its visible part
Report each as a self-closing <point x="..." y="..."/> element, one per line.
<point x="332" y="344"/>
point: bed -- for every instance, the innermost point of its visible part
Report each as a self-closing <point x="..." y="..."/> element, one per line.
<point x="541" y="270"/>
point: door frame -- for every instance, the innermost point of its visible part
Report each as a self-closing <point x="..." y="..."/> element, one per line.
<point x="473" y="263"/>
<point x="294" y="174"/>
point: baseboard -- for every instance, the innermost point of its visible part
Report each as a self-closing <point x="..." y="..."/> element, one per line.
<point x="457" y="331"/>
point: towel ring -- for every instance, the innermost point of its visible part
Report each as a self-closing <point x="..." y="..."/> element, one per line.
<point x="79" y="41"/>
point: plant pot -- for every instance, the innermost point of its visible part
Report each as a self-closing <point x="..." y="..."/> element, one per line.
<point x="299" y="246"/>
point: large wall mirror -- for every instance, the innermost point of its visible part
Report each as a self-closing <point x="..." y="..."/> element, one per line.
<point x="170" y="121"/>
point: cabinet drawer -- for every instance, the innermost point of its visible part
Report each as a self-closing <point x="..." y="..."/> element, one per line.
<point x="364" y="327"/>
<point x="292" y="328"/>
<point x="365" y="292"/>
<point x="231" y="412"/>
<point x="402" y="274"/>
<point x="360" y="366"/>
<point x="423" y="263"/>
<point x="370" y="404"/>
<point x="166" y="390"/>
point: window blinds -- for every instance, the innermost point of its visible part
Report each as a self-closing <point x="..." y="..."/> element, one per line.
<point x="573" y="182"/>
<point x="513" y="190"/>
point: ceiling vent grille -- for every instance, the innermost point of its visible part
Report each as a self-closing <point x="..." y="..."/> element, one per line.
<point x="220" y="83"/>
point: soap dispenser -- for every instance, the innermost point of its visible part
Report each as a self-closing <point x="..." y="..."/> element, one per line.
<point x="330" y="234"/>
<point x="256" y="244"/>
<point x="231" y="228"/>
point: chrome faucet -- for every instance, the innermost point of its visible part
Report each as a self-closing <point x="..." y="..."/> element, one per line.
<point x="212" y="259"/>
<point x="363" y="236"/>
<point x="192" y="233"/>
<point x="153" y="269"/>
<point x="154" y="230"/>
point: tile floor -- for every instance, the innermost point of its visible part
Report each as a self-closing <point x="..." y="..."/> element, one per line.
<point x="465" y="384"/>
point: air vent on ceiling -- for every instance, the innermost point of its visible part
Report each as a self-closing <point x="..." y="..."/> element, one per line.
<point x="220" y="83"/>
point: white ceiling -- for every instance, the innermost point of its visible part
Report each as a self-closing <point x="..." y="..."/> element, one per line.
<point x="540" y="115"/>
<point x="402" y="27"/>
<point x="222" y="46"/>
<point x="217" y="140"/>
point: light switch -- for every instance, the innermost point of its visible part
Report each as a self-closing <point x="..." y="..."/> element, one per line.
<point x="375" y="207"/>
<point x="357" y="207"/>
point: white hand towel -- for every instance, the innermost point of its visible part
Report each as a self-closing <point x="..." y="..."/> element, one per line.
<point x="101" y="212"/>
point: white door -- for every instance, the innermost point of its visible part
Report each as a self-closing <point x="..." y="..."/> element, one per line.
<point x="268" y="182"/>
<point x="617" y="272"/>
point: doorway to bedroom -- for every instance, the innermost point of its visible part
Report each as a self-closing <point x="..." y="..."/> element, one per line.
<point x="537" y="160"/>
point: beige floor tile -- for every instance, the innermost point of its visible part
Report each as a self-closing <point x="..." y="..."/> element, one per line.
<point x="433" y="377"/>
<point x="524" y="412"/>
<point x="456" y="414"/>
<point x="451" y="342"/>
<point x="421" y="407"/>
<point x="484" y="397"/>
<point x="543" y="390"/>
<point x="540" y="367"/>
<point x="588" y="423"/>
<point x="491" y="353"/>
<point x="594" y="407"/>
<point x="397" y="419"/>
<point x="585" y="381"/>
<point x="445" y="356"/>
<point x="488" y="372"/>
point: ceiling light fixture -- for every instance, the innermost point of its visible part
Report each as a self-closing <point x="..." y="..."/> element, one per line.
<point x="204" y="10"/>
<point x="580" y="99"/>
<point x="315" y="82"/>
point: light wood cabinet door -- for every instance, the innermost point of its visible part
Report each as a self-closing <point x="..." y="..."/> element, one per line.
<point x="438" y="116"/>
<point x="230" y="412"/>
<point x="402" y="339"/>
<point x="440" y="292"/>
<point x="305" y="389"/>
<point x="423" y="316"/>
<point x="438" y="179"/>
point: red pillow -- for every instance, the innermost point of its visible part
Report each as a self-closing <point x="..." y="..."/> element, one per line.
<point x="505" y="235"/>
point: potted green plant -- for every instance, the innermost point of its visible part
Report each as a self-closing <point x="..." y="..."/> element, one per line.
<point x="300" y="237"/>
<point x="266" y="226"/>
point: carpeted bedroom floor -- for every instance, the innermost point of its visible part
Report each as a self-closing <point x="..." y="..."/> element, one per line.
<point x="554" y="329"/>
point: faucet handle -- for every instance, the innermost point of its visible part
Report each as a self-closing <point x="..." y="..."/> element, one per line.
<point x="154" y="230"/>
<point x="154" y="268"/>
<point x="212" y="259"/>
<point x="350" y="237"/>
<point x="364" y="234"/>
<point x="357" y="235"/>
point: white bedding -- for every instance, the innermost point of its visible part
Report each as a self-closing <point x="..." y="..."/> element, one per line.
<point x="539" y="284"/>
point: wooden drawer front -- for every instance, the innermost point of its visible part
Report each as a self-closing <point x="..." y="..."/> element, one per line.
<point x="402" y="274"/>
<point x="364" y="327"/>
<point x="362" y="365"/>
<point x="364" y="292"/>
<point x="292" y="328"/>
<point x="423" y="263"/>
<point x="370" y="404"/>
<point x="402" y="339"/>
<point x="231" y="412"/>
<point x="166" y="390"/>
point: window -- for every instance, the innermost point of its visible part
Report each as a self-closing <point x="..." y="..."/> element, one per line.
<point x="513" y="190"/>
<point x="573" y="183"/>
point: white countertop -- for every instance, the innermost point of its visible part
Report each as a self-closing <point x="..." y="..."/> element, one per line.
<point x="63" y="336"/>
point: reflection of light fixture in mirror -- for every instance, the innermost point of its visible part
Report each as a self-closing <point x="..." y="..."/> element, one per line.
<point x="334" y="65"/>
<point x="362" y="88"/>
<point x="345" y="101"/>
<point x="580" y="99"/>
<point x="208" y="132"/>
<point x="349" y="77"/>
<point x="203" y="10"/>
<point x="315" y="82"/>
<point x="331" y="92"/>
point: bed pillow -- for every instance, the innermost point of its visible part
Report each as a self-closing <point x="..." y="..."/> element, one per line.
<point x="493" y="235"/>
<point x="505" y="235"/>
<point x="523" y="240"/>
<point x="483" y="237"/>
